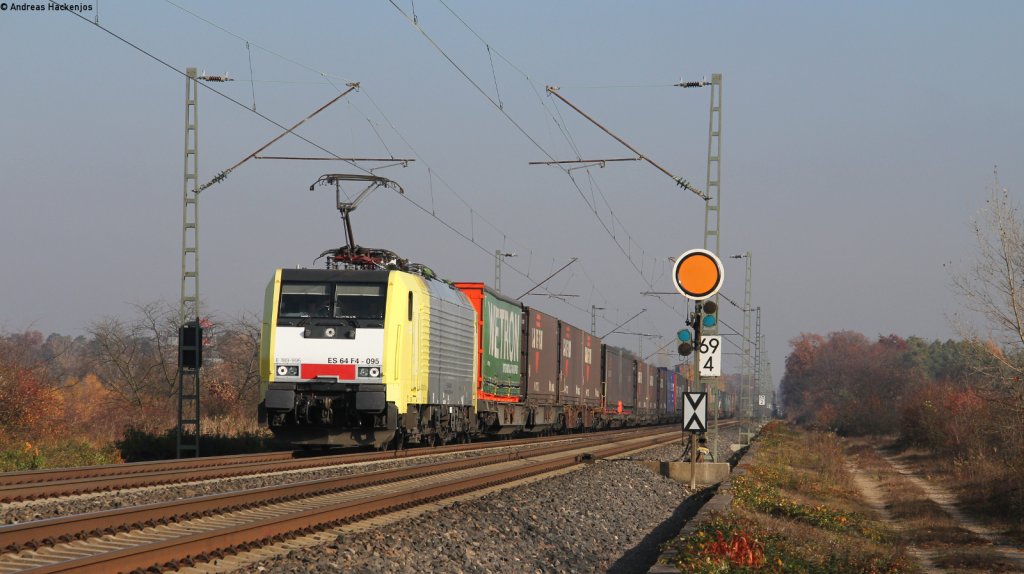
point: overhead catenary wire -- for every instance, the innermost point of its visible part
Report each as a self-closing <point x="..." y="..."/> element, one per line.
<point x="327" y="77"/>
<point x="432" y="174"/>
<point x="299" y="136"/>
<point x="619" y="87"/>
<point x="251" y="75"/>
<point x="545" y="280"/>
<point x="680" y="181"/>
<point x="222" y="175"/>
<point x="431" y="171"/>
<point x="504" y="112"/>
<point x="206" y="86"/>
<point x="270" y="120"/>
<point x="560" y="124"/>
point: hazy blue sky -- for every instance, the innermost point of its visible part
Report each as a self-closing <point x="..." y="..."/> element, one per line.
<point x="859" y="139"/>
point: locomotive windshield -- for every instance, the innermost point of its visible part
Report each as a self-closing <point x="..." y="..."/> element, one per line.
<point x="360" y="301"/>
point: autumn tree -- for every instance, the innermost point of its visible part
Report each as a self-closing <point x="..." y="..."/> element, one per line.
<point x="30" y="402"/>
<point x="847" y="383"/>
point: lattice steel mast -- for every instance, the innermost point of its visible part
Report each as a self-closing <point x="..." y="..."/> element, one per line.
<point x="758" y="346"/>
<point x="713" y="190"/>
<point x="713" y="204"/>
<point x="747" y="359"/>
<point x="188" y="371"/>
<point x="713" y="215"/>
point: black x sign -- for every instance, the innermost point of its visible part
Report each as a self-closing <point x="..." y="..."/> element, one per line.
<point x="695" y="412"/>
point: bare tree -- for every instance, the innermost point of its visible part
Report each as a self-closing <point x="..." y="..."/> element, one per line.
<point x="137" y="360"/>
<point x="993" y="287"/>
<point x="234" y="371"/>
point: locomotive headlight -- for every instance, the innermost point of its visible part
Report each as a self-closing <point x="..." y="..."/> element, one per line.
<point x="372" y="372"/>
<point x="287" y="370"/>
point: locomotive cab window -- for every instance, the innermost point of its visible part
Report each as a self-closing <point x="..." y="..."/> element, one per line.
<point x="305" y="300"/>
<point x="359" y="301"/>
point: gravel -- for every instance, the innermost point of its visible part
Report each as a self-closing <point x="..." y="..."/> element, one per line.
<point x="583" y="521"/>
<point x="610" y="516"/>
<point x="24" y="511"/>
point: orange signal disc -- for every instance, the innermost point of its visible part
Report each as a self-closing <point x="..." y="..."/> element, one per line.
<point x="698" y="274"/>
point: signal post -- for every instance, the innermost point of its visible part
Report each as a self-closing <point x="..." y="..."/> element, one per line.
<point x="698" y="275"/>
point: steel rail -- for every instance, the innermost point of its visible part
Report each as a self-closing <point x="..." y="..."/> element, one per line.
<point x="176" y="552"/>
<point x="97" y="471"/>
<point x="28" y="485"/>
<point x="65" y="528"/>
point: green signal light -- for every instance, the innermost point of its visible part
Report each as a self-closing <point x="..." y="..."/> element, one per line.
<point x="684" y="336"/>
<point x="709" y="321"/>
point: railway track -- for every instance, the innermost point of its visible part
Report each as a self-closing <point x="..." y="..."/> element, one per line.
<point x="29" y="485"/>
<point x="179" y="533"/>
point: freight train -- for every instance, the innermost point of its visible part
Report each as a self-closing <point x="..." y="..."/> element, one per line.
<point x="392" y="355"/>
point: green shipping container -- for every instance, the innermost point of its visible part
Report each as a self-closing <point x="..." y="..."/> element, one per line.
<point x="502" y="350"/>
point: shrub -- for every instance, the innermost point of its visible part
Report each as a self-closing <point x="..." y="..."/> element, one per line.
<point x="56" y="454"/>
<point x="138" y="445"/>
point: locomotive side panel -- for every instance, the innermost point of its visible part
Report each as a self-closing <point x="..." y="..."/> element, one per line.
<point x="407" y="340"/>
<point x="267" y="327"/>
<point x="452" y="342"/>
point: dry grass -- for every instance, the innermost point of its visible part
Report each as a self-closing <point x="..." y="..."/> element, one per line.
<point x="989" y="491"/>
<point x="970" y="561"/>
<point x="230" y="426"/>
<point x="923" y="522"/>
<point x="798" y="508"/>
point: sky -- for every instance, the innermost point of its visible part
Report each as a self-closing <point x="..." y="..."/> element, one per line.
<point x="858" y="145"/>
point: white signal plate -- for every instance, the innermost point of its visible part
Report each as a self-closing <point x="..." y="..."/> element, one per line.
<point x="711" y="356"/>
